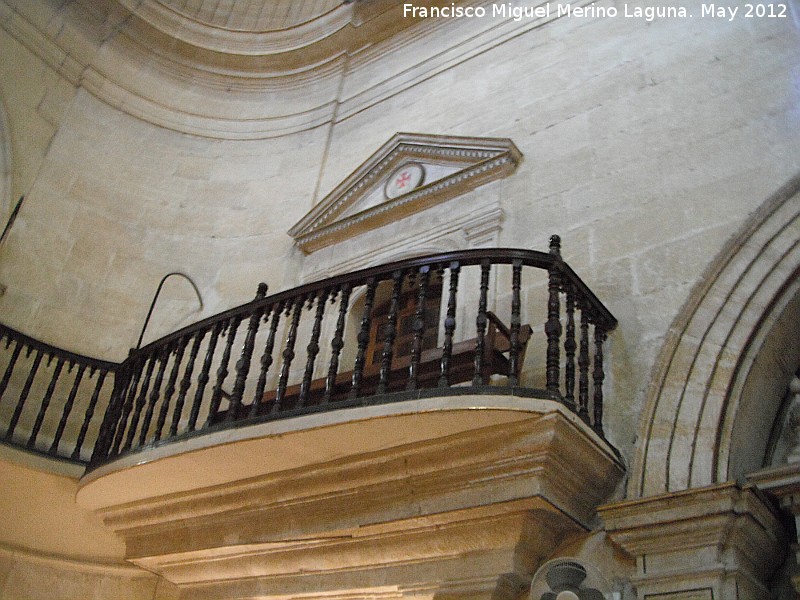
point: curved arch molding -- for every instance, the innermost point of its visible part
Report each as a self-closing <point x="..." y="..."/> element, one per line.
<point x="702" y="389"/>
<point x="240" y="82"/>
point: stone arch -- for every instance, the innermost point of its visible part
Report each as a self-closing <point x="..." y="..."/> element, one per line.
<point x="723" y="344"/>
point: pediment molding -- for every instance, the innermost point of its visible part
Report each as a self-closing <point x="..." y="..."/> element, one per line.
<point x="456" y="164"/>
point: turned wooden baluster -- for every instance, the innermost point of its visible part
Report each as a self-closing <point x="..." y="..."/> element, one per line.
<point x="24" y="394"/>
<point x="569" y="350"/>
<point x="127" y="407"/>
<point x="423" y="279"/>
<point x="62" y="424"/>
<point x="76" y="453"/>
<point x="337" y="343"/>
<point x="266" y="360"/>
<point x="449" y="326"/>
<point x="48" y="395"/>
<point x="222" y="370"/>
<point x="202" y="378"/>
<point x="516" y="323"/>
<point x="155" y="393"/>
<point x="140" y="403"/>
<point x="363" y="338"/>
<point x="598" y="375"/>
<point x="552" y="328"/>
<point x="391" y="332"/>
<point x="480" y="323"/>
<point x="312" y="350"/>
<point x="180" y="348"/>
<point x="288" y="354"/>
<point x="10" y="367"/>
<point x="186" y="382"/>
<point x="583" y="368"/>
<point x="243" y="364"/>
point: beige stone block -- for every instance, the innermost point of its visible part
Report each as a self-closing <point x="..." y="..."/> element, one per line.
<point x="33" y="579"/>
<point x="401" y="507"/>
<point x="6" y="570"/>
<point x="722" y="537"/>
<point x="56" y="101"/>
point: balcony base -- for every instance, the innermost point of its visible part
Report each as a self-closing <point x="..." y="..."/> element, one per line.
<point x="459" y="496"/>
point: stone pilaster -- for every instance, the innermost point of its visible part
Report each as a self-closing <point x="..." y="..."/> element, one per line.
<point x="783" y="483"/>
<point x="723" y="541"/>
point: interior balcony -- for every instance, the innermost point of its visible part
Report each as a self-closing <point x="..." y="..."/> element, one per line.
<point x="431" y="427"/>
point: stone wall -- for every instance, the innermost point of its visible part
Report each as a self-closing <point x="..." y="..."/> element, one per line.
<point x="646" y="145"/>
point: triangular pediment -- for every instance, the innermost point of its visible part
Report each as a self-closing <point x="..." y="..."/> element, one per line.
<point x="409" y="173"/>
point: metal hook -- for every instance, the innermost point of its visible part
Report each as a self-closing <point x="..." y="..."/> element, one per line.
<point x="155" y="297"/>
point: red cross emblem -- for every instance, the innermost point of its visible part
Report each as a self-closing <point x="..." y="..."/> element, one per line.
<point x="402" y="179"/>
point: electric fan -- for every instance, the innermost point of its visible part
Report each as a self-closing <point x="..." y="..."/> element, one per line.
<point x="569" y="579"/>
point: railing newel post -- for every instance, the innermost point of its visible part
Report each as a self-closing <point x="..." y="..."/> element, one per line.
<point x="178" y="351"/>
<point x="312" y="350"/>
<point x="108" y="427"/>
<point x="449" y="326"/>
<point x="363" y="338"/>
<point x="243" y="364"/>
<point x="186" y="381"/>
<point x="481" y="322"/>
<point x="161" y="356"/>
<point x="101" y="376"/>
<point x="26" y="389"/>
<point x="337" y="343"/>
<point x="45" y="401"/>
<point x="62" y="423"/>
<point x="288" y="353"/>
<point x="203" y="378"/>
<point x="127" y="406"/>
<point x="569" y="350"/>
<point x="222" y="371"/>
<point x="418" y="326"/>
<point x="583" y="367"/>
<point x="598" y="374"/>
<point x="391" y="332"/>
<point x="266" y="357"/>
<point x="140" y="401"/>
<point x="552" y="327"/>
<point x="516" y="323"/>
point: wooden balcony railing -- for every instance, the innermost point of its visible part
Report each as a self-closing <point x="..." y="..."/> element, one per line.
<point x="487" y="321"/>
<point x="51" y="401"/>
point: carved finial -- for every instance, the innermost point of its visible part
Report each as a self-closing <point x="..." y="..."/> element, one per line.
<point x="261" y="292"/>
<point x="555" y="245"/>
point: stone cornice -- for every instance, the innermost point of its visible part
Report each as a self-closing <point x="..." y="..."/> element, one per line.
<point x="703" y="534"/>
<point x="464" y="510"/>
<point x="559" y="455"/>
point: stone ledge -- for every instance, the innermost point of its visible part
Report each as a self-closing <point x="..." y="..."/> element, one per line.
<point x="486" y="503"/>
<point x="722" y="538"/>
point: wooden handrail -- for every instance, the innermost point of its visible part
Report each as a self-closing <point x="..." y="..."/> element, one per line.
<point x="497" y="256"/>
<point x="309" y="345"/>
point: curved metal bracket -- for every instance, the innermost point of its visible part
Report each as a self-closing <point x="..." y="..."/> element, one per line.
<point x="155" y="297"/>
